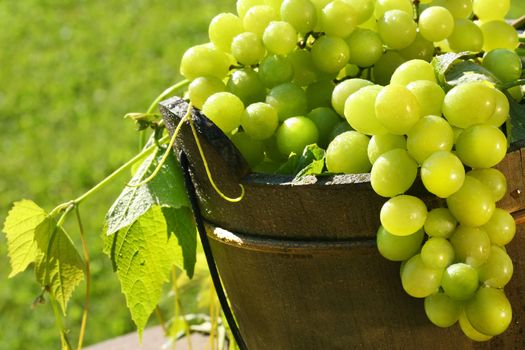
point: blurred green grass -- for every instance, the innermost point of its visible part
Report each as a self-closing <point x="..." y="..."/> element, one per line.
<point x="69" y="71"/>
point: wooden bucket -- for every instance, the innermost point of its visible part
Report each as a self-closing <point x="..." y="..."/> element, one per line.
<point x="299" y="263"/>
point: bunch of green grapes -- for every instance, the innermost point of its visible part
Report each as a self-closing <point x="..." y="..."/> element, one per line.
<point x="355" y="78"/>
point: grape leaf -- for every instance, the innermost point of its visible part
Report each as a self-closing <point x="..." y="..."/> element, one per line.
<point x="467" y="71"/>
<point x="145" y="252"/>
<point x="516" y="122"/>
<point x="19" y="227"/>
<point x="443" y="63"/>
<point x="166" y="189"/>
<point x="311" y="162"/>
<point x="59" y="267"/>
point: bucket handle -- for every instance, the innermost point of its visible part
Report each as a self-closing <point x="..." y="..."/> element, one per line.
<point x="228" y="314"/>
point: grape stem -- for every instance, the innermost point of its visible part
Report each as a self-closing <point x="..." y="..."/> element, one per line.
<point x="511" y="84"/>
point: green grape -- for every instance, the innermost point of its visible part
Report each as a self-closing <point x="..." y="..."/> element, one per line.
<point x="380" y="144"/>
<point x="471" y="244"/>
<point x="202" y="88"/>
<point x="420" y="48"/>
<point x="398" y="248"/>
<point x="259" y="121"/>
<point x="370" y="23"/>
<point x="498" y="34"/>
<point x="319" y="5"/>
<point x="436" y="23"/>
<point x="295" y="134"/>
<point x="411" y="71"/>
<point x="347" y="154"/>
<point x="473" y="204"/>
<point x="338" y="19"/>
<point x="243" y="6"/>
<point x="365" y="47"/>
<point x="501" y="227"/>
<point x="246" y="84"/>
<point x="275" y="70"/>
<point x="319" y="94"/>
<point x="418" y="279"/>
<point x="442" y="310"/>
<point x="470" y="331"/>
<point x="397" y="109"/>
<point x="460" y="281"/>
<point x="383" y="6"/>
<point x="466" y="36"/>
<point x="363" y="9"/>
<point x="258" y="18"/>
<point x="497" y="270"/>
<point x="501" y="111"/>
<point x="468" y="104"/>
<point x="280" y="37"/>
<point x="487" y="10"/>
<point x="325" y="120"/>
<point x="516" y="92"/>
<point x="330" y="54"/>
<point x="360" y="111"/>
<point x="397" y="29"/>
<point x="481" y="146"/>
<point x="340" y="128"/>
<point x="252" y="150"/>
<point x="458" y="8"/>
<point x="305" y="72"/>
<point x="247" y="48"/>
<point x="203" y="60"/>
<point x="429" y="96"/>
<point x="440" y="223"/>
<point x="393" y="173"/>
<point x="223" y="28"/>
<point x="505" y="64"/>
<point x="442" y="173"/>
<point x="289" y="100"/>
<point x="345" y="89"/>
<point x="493" y="179"/>
<point x="225" y="110"/>
<point x="301" y="14"/>
<point x="489" y="311"/>
<point x="437" y="252"/>
<point x="403" y="215"/>
<point x="272" y="151"/>
<point x="386" y="65"/>
<point x="430" y="134"/>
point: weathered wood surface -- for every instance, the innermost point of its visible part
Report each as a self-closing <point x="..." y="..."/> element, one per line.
<point x="302" y="271"/>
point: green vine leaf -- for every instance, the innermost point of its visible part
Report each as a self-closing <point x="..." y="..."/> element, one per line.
<point x="145" y="252"/>
<point x="19" y="227"/>
<point x="166" y="189"/>
<point x="467" y="71"/>
<point x="311" y="162"/>
<point x="59" y="267"/>
<point x="516" y="122"/>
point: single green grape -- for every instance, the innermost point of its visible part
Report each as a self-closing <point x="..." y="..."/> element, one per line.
<point x="330" y="53"/>
<point x="301" y="14"/>
<point x="501" y="228"/>
<point x="398" y="248"/>
<point x="460" y="281"/>
<point x="202" y="88"/>
<point x="242" y="6"/>
<point x="280" y="37"/>
<point x="223" y="28"/>
<point x="289" y="100"/>
<point x="225" y="110"/>
<point x="498" y="34"/>
<point x="487" y="10"/>
<point x="397" y="29"/>
<point x="347" y="153"/>
<point x="251" y="149"/>
<point x="437" y="252"/>
<point x="489" y="311"/>
<point x="440" y="223"/>
<point x="436" y="23"/>
<point x="466" y="36"/>
<point x="247" y="48"/>
<point x="397" y="109"/>
<point x="383" y="6"/>
<point x="338" y="18"/>
<point x="501" y="110"/>
<point x="393" y="173"/>
<point x="403" y="215"/>
<point x="418" y="279"/>
<point x="360" y="111"/>
<point x="442" y="173"/>
<point x="458" y="8"/>
<point x="294" y="134"/>
<point x="305" y="71"/>
<point x="319" y="94"/>
<point x="430" y="134"/>
<point x="275" y="70"/>
<point x="473" y="204"/>
<point x="469" y="330"/>
<point x="386" y="65"/>
<point x="246" y="84"/>
<point x="505" y="64"/>
<point x="365" y="47"/>
<point x="203" y="60"/>
<point x="325" y="120"/>
<point x="481" y="146"/>
<point x="471" y="245"/>
<point x="442" y="310"/>
<point x="420" y="48"/>
<point x="497" y="271"/>
<point x="469" y="104"/>
<point x="257" y="19"/>
<point x="259" y="120"/>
